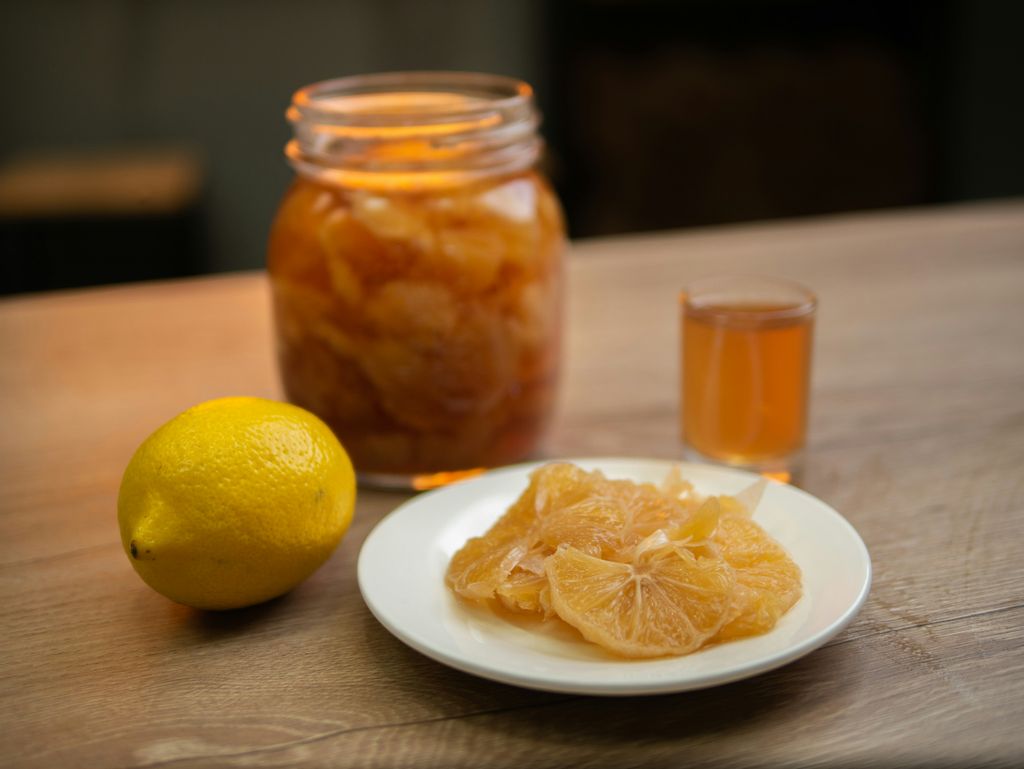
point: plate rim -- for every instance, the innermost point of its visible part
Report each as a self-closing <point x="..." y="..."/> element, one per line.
<point x="608" y="688"/>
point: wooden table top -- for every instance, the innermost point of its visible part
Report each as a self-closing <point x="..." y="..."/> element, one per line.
<point x="917" y="437"/>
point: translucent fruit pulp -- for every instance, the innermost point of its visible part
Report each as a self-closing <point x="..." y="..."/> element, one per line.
<point x="423" y="327"/>
<point x="639" y="569"/>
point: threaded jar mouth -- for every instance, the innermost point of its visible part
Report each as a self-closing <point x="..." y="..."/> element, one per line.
<point x="409" y="130"/>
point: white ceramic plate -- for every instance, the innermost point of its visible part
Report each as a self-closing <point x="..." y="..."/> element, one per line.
<point x="403" y="562"/>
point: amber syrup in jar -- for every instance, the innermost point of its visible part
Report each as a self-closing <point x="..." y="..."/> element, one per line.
<point x="417" y="275"/>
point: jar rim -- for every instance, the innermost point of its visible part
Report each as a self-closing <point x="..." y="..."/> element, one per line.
<point x="320" y="101"/>
<point x="411" y="130"/>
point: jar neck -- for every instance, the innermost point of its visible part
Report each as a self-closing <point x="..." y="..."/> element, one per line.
<point x="413" y="130"/>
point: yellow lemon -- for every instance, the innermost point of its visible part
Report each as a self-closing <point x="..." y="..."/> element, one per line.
<point x="234" y="502"/>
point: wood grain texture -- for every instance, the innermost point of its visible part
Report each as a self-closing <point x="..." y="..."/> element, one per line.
<point x="917" y="436"/>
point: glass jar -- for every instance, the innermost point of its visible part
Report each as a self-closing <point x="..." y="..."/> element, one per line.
<point x="416" y="266"/>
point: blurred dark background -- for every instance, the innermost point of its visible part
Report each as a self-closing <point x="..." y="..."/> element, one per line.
<point x="143" y="138"/>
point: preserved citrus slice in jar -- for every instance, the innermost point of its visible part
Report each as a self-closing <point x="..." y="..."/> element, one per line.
<point x="417" y="276"/>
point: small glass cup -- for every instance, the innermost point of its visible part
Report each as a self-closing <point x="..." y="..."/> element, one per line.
<point x="746" y="353"/>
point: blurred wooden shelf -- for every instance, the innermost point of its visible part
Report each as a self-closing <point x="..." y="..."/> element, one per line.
<point x="86" y="218"/>
<point x="104" y="183"/>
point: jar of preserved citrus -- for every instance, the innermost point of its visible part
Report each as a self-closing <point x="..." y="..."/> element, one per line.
<point x="417" y="275"/>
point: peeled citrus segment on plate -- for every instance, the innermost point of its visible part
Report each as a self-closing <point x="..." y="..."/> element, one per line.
<point x="640" y="569"/>
<point x="611" y="520"/>
<point x="606" y="518"/>
<point x="506" y="563"/>
<point x="699" y="526"/>
<point x="524" y="591"/>
<point x="483" y="563"/>
<point x="674" y="485"/>
<point x="768" y="581"/>
<point x="666" y="601"/>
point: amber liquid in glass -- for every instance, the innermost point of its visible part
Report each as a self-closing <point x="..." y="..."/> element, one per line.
<point x="746" y="372"/>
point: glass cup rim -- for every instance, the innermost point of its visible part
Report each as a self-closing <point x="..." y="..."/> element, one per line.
<point x="698" y="297"/>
